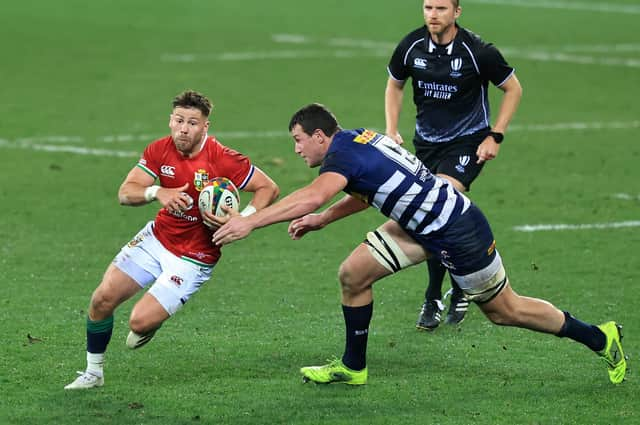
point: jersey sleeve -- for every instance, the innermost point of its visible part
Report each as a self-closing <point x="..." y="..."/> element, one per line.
<point x="493" y="66"/>
<point x="342" y="159"/>
<point x="235" y="166"/>
<point x="149" y="162"/>
<point x="396" y="68"/>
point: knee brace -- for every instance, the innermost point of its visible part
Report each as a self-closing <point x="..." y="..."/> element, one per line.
<point x="135" y="340"/>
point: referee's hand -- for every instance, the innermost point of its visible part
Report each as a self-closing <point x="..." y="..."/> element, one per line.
<point x="396" y="138"/>
<point x="487" y="150"/>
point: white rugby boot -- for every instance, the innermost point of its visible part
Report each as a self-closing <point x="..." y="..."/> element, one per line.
<point x="85" y="380"/>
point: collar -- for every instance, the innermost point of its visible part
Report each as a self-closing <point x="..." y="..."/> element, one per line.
<point x="432" y="47"/>
<point x="204" y="141"/>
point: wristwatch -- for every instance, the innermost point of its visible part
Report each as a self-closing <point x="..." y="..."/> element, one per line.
<point x="498" y="137"/>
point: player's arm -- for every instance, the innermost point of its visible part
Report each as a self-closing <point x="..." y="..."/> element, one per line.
<point x="510" y="101"/>
<point x="264" y="189"/>
<point x="393" y="96"/>
<point x="512" y="89"/>
<point x="310" y="222"/>
<point x="138" y="189"/>
<point x="302" y="201"/>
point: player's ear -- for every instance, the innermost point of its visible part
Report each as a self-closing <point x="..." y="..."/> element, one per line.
<point x="318" y="132"/>
<point x="458" y="12"/>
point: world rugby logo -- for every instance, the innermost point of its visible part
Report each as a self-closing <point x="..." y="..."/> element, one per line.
<point x="456" y="66"/>
<point x="463" y="161"/>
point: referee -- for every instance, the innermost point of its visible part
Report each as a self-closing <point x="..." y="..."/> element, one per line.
<point x="450" y="68"/>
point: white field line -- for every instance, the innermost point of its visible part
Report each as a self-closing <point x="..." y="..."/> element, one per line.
<point x="565" y="5"/>
<point x="129" y="138"/>
<point x="537" y="56"/>
<point x="348" y="48"/>
<point x="542" y="56"/>
<point x="555" y="227"/>
<point x="599" y="48"/>
<point x="577" y="126"/>
<point x="270" y="55"/>
<point x="382" y="45"/>
<point x="68" y="149"/>
<point x="626" y="197"/>
<point x="41" y="142"/>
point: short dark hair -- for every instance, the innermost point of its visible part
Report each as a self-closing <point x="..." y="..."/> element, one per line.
<point x="315" y="116"/>
<point x="193" y="99"/>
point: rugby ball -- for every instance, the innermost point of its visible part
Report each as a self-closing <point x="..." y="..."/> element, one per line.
<point x="218" y="192"/>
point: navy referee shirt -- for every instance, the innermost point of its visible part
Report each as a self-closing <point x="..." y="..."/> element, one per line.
<point x="450" y="83"/>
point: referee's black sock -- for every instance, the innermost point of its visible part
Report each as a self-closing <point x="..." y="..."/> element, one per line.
<point x="356" y="321"/>
<point x="577" y="330"/>
<point x="436" y="276"/>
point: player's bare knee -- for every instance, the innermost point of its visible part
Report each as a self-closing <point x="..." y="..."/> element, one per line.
<point x="140" y="324"/>
<point x="351" y="280"/>
<point x="101" y="306"/>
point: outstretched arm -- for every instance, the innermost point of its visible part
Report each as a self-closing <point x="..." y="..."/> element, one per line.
<point x="302" y="201"/>
<point x="310" y="222"/>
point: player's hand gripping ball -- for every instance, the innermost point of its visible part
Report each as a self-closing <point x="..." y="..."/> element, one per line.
<point x="218" y="192"/>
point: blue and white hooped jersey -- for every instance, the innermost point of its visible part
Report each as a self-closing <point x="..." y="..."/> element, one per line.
<point x="393" y="180"/>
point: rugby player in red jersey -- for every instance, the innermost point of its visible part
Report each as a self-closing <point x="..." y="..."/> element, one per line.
<point x="173" y="254"/>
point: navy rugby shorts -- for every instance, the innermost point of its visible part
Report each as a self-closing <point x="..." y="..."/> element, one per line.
<point x="465" y="246"/>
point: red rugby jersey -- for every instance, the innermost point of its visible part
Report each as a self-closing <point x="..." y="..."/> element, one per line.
<point x="184" y="234"/>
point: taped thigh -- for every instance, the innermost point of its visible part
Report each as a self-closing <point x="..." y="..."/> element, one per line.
<point x="386" y="251"/>
<point x="484" y="285"/>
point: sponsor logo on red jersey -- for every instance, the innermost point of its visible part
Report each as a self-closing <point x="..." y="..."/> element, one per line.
<point x="168" y="170"/>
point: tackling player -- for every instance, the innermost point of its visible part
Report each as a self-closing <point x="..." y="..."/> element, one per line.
<point x="429" y="218"/>
<point x="172" y="254"/>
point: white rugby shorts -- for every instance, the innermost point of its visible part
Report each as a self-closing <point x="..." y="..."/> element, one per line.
<point x="146" y="261"/>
